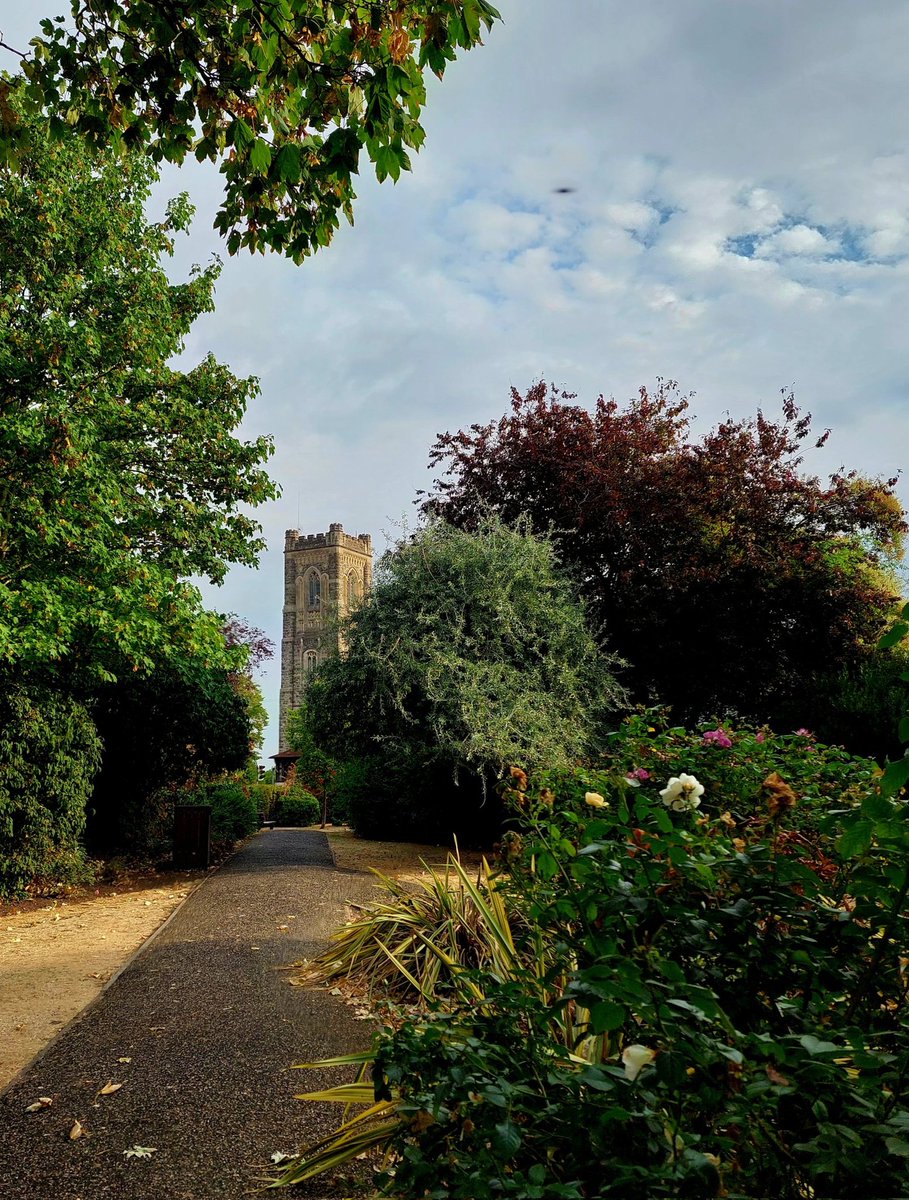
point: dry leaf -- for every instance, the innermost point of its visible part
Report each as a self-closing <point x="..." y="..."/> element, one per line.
<point x="140" y="1151"/>
<point x="775" y="1077"/>
<point x="78" y="1130"/>
<point x="41" y="1102"/>
<point x="283" y="927"/>
<point x="109" y="1088"/>
<point x="124" y="1060"/>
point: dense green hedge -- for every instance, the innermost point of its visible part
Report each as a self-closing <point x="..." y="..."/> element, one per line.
<point x="234" y="811"/>
<point x="298" y="807"/>
<point x="49" y="753"/>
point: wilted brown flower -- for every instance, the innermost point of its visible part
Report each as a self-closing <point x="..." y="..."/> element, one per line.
<point x="781" y="797"/>
<point x="520" y="778"/>
<point x="510" y="846"/>
<point x="547" y="797"/>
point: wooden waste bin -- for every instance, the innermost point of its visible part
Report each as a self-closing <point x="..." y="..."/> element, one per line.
<point x="192" y="835"/>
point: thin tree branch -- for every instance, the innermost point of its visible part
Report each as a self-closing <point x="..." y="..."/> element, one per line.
<point x="12" y="49"/>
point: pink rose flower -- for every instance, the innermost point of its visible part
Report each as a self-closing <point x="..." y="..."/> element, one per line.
<point x="718" y="737"/>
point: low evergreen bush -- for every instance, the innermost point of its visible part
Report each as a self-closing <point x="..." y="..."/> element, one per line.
<point x="234" y="811"/>
<point x="49" y="754"/>
<point x="266" y="796"/>
<point x="298" y="807"/>
<point x="350" y="795"/>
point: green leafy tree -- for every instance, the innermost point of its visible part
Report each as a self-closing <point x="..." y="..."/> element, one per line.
<point x="119" y="475"/>
<point x="470" y="655"/>
<point x="285" y="94"/>
<point x="257" y="649"/>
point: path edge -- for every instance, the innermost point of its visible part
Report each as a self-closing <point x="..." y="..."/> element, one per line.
<point x="87" y="1008"/>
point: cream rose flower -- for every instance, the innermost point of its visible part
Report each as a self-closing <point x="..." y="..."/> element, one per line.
<point x="595" y="800"/>
<point x="635" y="1059"/>
<point x="682" y="793"/>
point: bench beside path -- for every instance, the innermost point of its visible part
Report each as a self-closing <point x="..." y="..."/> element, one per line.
<point x="211" y="1029"/>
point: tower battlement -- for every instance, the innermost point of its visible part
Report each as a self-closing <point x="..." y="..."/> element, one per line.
<point x="295" y="540"/>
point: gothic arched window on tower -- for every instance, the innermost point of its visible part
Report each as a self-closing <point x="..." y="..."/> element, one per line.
<point x="314" y="591"/>
<point x="352" y="596"/>
<point x="310" y="662"/>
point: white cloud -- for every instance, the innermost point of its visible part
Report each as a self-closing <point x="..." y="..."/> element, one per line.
<point x="797" y="239"/>
<point x="493" y="228"/>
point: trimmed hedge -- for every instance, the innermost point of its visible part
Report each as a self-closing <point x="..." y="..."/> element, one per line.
<point x="49" y="754"/>
<point x="234" y="812"/>
<point x="298" y="807"/>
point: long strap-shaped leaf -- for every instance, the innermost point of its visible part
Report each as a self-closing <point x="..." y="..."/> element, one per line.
<point x="342" y="1147"/>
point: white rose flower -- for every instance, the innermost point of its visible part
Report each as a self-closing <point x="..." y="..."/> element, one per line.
<point x="682" y="793"/>
<point x="635" y="1059"/>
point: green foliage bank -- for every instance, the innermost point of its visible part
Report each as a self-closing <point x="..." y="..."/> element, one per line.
<point x="701" y="991"/>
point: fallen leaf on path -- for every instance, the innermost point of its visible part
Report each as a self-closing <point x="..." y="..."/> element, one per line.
<point x="140" y="1152"/>
<point x="78" y="1130"/>
<point x="283" y="926"/>
<point x="124" y="1060"/>
<point x="41" y="1102"/>
<point x="109" y="1089"/>
<point x="280" y="1156"/>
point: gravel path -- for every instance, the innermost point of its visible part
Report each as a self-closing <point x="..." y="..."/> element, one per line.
<point x="210" y="1028"/>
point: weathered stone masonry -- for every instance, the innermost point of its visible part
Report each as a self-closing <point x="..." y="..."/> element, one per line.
<point x="323" y="573"/>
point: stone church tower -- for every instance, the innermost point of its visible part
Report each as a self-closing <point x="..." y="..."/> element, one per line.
<point x="324" y="573"/>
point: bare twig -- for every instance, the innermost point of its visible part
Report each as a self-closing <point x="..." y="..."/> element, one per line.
<point x="12" y="49"/>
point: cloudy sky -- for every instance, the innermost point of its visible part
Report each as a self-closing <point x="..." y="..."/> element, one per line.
<point x="739" y="221"/>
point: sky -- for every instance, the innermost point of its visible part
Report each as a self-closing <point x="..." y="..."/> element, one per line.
<point x="738" y="221"/>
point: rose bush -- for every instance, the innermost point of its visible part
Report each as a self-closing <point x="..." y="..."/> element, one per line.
<point x="722" y="1007"/>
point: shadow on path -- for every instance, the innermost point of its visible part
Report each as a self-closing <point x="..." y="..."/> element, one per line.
<point x="210" y="1028"/>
